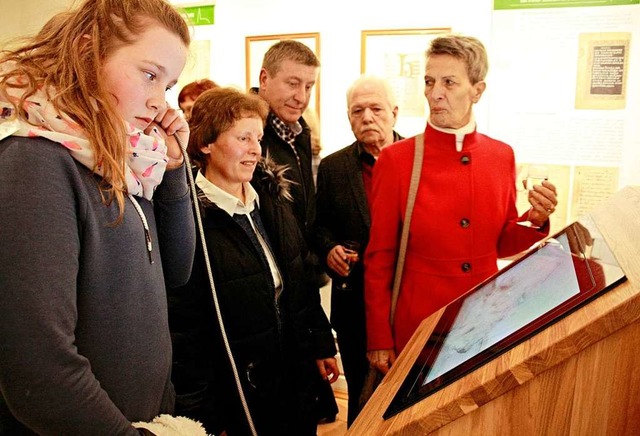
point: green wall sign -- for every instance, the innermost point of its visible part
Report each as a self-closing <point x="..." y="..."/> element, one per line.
<point x="538" y="4"/>
<point x="201" y="15"/>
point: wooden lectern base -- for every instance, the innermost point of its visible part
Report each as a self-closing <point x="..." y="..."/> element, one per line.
<point x="580" y="376"/>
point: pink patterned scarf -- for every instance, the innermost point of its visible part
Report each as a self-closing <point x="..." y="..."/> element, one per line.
<point x="147" y="158"/>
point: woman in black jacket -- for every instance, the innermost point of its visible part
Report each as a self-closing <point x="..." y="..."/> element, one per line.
<point x="265" y="305"/>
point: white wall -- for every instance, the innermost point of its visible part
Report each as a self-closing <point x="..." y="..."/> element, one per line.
<point x="340" y="24"/>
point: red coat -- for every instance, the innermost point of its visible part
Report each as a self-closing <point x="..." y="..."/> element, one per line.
<point x="464" y="219"/>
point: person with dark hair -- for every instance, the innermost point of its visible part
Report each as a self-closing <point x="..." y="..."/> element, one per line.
<point x="465" y="215"/>
<point x="96" y="219"/>
<point x="259" y="299"/>
<point x="289" y="72"/>
<point x="287" y="77"/>
<point x="190" y="92"/>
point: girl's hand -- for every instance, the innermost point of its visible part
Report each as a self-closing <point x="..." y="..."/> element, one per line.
<point x="170" y="124"/>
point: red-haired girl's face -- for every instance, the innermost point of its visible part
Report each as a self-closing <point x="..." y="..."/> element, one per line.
<point x="139" y="74"/>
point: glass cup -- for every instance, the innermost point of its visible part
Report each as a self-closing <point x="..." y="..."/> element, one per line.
<point x="536" y="174"/>
<point x="352" y="249"/>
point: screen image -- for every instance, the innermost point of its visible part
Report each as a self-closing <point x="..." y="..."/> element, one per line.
<point x="511" y="301"/>
<point x="546" y="283"/>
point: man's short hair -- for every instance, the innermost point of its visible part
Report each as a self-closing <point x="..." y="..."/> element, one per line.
<point x="288" y="50"/>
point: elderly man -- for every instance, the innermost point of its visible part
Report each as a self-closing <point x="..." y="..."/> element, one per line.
<point x="343" y="199"/>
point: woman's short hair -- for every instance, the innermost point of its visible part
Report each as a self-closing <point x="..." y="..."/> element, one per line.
<point x="194" y="89"/>
<point x="216" y="111"/>
<point x="466" y="48"/>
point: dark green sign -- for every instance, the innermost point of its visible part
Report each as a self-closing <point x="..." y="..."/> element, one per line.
<point x="538" y="4"/>
<point x="200" y="15"/>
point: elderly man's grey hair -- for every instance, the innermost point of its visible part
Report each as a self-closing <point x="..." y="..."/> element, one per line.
<point x="375" y="81"/>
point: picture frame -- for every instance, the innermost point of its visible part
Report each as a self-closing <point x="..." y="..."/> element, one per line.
<point x="398" y="56"/>
<point x="257" y="46"/>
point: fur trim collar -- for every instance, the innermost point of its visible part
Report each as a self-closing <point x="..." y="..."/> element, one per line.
<point x="272" y="176"/>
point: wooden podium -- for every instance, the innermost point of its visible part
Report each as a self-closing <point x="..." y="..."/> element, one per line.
<point x="580" y="376"/>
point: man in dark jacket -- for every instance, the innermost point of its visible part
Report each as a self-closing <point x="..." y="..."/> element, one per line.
<point x="289" y="72"/>
<point x="287" y="77"/>
<point x="343" y="199"/>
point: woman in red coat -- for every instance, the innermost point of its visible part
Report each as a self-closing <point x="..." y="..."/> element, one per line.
<point x="465" y="215"/>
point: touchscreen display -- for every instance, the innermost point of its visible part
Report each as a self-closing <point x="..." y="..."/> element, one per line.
<point x="508" y="303"/>
<point x="548" y="282"/>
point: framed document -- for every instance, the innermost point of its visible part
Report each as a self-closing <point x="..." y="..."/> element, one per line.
<point x="603" y="69"/>
<point x="398" y="56"/>
<point x="257" y="46"/>
<point x="547" y="283"/>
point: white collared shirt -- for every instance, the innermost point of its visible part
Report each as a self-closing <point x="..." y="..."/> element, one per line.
<point x="460" y="133"/>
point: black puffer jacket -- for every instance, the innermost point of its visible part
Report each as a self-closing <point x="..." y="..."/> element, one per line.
<point x="299" y="172"/>
<point x="274" y="343"/>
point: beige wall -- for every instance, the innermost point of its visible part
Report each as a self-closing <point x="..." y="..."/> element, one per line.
<point x="23" y="17"/>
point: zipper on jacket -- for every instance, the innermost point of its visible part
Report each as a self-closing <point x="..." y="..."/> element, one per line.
<point x="276" y="303"/>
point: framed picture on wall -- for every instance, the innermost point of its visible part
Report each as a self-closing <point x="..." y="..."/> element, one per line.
<point x="398" y="56"/>
<point x="257" y="46"/>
